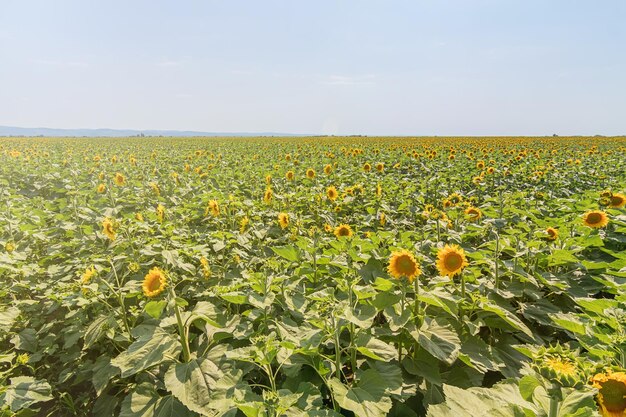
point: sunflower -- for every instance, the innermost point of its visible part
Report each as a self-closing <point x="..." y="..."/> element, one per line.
<point x="206" y="269"/>
<point x="343" y="230"/>
<point x="367" y="167"/>
<point x="212" y="207"/>
<point x="108" y="228"/>
<point x="473" y="213"/>
<point x="382" y="219"/>
<point x="332" y="193"/>
<point x="139" y="216"/>
<point x="310" y="173"/>
<point x="480" y="164"/>
<point x="553" y="234"/>
<point x="451" y="260"/>
<point x="268" y="179"/>
<point x="267" y="196"/>
<point x="290" y="175"/>
<point x="119" y="179"/>
<point x="612" y="393"/>
<point x="380" y="167"/>
<point x="328" y="228"/>
<point x="595" y="219"/>
<point x="155" y="188"/>
<point x="160" y="213"/>
<point x="243" y="223"/>
<point x="88" y="275"/>
<point x="618" y="201"/>
<point x="403" y="264"/>
<point x="328" y="169"/>
<point x="102" y="188"/>
<point x="154" y="282"/>
<point x="9" y="247"/>
<point x="379" y="190"/>
<point x="283" y="220"/>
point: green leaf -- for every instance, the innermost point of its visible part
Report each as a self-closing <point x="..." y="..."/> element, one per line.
<point x="288" y="252"/>
<point x="7" y="318"/>
<point x="575" y="403"/>
<point x="374" y="348"/>
<point x="507" y="316"/>
<point x="527" y="386"/>
<point x="561" y="257"/>
<point x="144" y="401"/>
<point x="152" y="348"/>
<point x="155" y="308"/>
<point x="191" y="383"/>
<point x="438" y="337"/>
<point x="25" y="391"/>
<point x="368" y="400"/>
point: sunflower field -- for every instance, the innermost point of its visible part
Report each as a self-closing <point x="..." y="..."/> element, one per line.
<point x="313" y="277"/>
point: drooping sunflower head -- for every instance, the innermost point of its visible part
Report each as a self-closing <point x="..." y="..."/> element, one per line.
<point x="595" y="219"/>
<point x="88" y="275"/>
<point x="214" y="208"/>
<point x="552" y="233"/>
<point x="283" y="220"/>
<point x="403" y="264"/>
<point x="160" y="212"/>
<point x="617" y="200"/>
<point x="451" y="260"/>
<point x="473" y="213"/>
<point x="331" y="193"/>
<point x="343" y="230"/>
<point x="119" y="179"/>
<point x="612" y="393"/>
<point x="154" y="282"/>
<point x="108" y="228"/>
<point x="310" y="173"/>
<point x="290" y="175"/>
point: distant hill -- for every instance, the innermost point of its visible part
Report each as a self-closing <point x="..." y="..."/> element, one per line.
<point x="44" y="131"/>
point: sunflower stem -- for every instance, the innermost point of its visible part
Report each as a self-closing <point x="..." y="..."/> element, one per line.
<point x="554" y="394"/>
<point x="417" y="312"/>
<point x="181" y="328"/>
<point x="496" y="260"/>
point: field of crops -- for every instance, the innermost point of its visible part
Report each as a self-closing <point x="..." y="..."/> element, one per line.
<point x="313" y="277"/>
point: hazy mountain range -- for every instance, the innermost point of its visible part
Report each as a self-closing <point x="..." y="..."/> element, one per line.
<point x="44" y="131"/>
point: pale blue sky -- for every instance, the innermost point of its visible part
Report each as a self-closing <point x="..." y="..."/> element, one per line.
<point x="524" y="67"/>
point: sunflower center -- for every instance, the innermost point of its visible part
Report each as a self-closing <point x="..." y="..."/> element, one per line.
<point x="453" y="261"/>
<point x="616" y="200"/>
<point x="344" y="231"/>
<point x="613" y="395"/>
<point x="154" y="283"/>
<point x="405" y="265"/>
<point x="594" y="218"/>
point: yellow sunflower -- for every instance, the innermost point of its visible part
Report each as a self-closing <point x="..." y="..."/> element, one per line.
<point x="617" y="200"/>
<point x="403" y="264"/>
<point x="310" y="173"/>
<point x="612" y="393"/>
<point x="379" y="190"/>
<point x="451" y="260"/>
<point x="9" y="247"/>
<point x="119" y="179"/>
<point x="108" y="228"/>
<point x="473" y="213"/>
<point x="102" y="188"/>
<point x="290" y="175"/>
<point x="243" y="223"/>
<point x="267" y="196"/>
<point x="367" y="167"/>
<point x="88" y="275"/>
<point x="139" y="216"/>
<point x="343" y="230"/>
<point x="154" y="282"/>
<point x="382" y="219"/>
<point x="160" y="213"/>
<point x="213" y="207"/>
<point x="283" y="220"/>
<point x="380" y="167"/>
<point x="332" y="193"/>
<point x="552" y="233"/>
<point x="595" y="219"/>
<point x="328" y="169"/>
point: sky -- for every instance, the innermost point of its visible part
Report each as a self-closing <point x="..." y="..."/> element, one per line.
<point x="375" y="67"/>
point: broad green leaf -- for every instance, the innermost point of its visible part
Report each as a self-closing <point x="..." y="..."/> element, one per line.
<point x="152" y="348"/>
<point x="24" y="391"/>
<point x="290" y="253"/>
<point x="144" y="401"/>
<point x="439" y="339"/>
